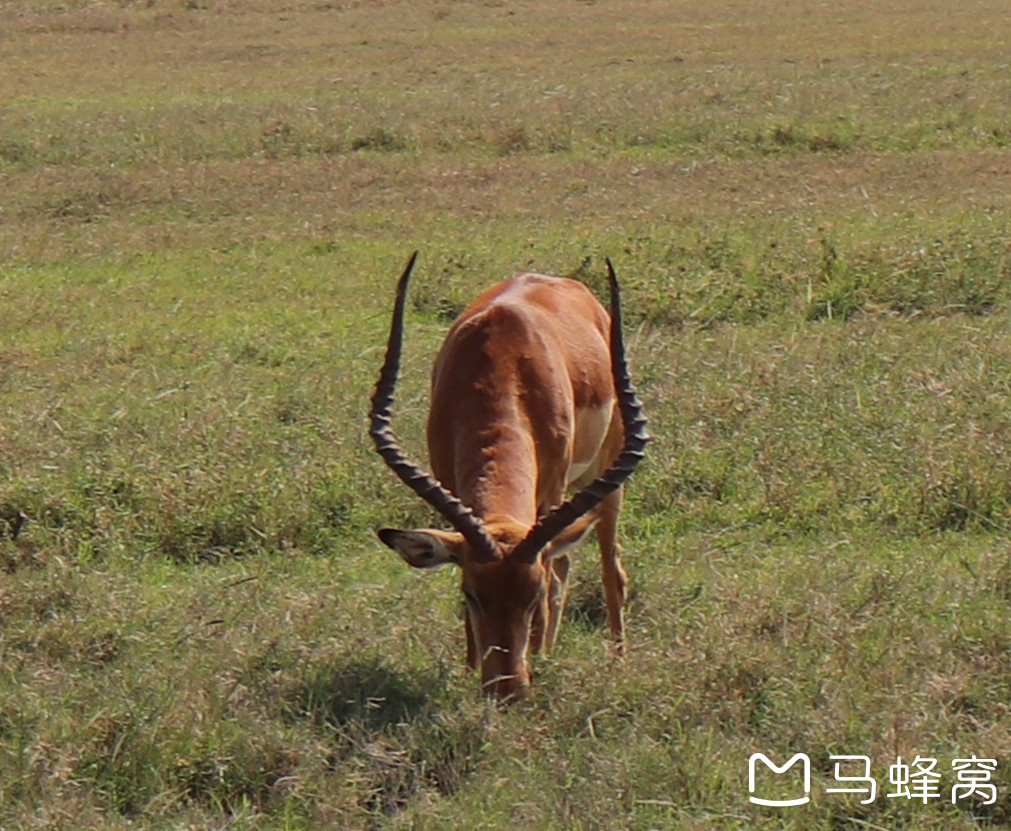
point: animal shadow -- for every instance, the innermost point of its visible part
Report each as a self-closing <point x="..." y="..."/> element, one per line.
<point x="365" y="691"/>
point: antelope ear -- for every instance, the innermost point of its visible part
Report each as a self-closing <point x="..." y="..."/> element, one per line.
<point x="425" y="549"/>
<point x="572" y="536"/>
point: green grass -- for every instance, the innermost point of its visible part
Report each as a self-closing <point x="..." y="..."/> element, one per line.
<point x="205" y="207"/>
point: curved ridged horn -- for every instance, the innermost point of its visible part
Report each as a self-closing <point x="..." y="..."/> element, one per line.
<point x="459" y="515"/>
<point x="636" y="438"/>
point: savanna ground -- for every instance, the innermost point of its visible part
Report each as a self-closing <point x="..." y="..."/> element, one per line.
<point x="204" y="207"/>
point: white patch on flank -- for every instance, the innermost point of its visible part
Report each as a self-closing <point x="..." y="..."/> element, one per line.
<point x="591" y="430"/>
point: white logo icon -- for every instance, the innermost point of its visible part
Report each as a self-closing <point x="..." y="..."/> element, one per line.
<point x="779" y="803"/>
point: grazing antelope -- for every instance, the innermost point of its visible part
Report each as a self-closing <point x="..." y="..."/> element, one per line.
<point x="530" y="394"/>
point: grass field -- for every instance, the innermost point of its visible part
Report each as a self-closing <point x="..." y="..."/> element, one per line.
<point x="204" y="205"/>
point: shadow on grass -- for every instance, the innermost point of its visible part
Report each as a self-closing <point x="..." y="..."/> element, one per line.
<point x="365" y="691"/>
<point x="586" y="607"/>
<point x="392" y="735"/>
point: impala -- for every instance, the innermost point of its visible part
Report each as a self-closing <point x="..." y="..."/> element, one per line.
<point x="530" y="395"/>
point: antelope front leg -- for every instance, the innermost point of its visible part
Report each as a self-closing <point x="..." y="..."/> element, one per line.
<point x="615" y="579"/>
<point x="558" y="590"/>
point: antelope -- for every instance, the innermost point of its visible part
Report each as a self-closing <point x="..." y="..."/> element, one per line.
<point x="530" y="394"/>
